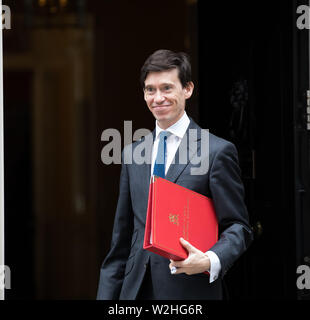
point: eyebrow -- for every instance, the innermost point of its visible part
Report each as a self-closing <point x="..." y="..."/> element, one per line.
<point x="161" y="85"/>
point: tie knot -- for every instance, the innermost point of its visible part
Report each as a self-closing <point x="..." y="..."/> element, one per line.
<point x="164" y="135"/>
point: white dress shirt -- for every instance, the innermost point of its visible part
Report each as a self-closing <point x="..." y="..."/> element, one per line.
<point x="177" y="131"/>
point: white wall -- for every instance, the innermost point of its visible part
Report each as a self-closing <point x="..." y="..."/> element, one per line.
<point x="1" y="164"/>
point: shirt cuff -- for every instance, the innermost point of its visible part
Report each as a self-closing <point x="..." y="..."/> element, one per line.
<point x="215" y="265"/>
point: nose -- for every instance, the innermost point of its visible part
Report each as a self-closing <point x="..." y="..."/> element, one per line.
<point x="159" y="98"/>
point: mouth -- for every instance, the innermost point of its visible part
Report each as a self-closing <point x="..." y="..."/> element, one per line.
<point x="161" y="107"/>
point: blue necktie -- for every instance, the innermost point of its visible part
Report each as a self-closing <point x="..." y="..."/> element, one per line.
<point x="160" y="162"/>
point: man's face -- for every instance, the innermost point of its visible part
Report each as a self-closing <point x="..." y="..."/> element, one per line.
<point x="165" y="96"/>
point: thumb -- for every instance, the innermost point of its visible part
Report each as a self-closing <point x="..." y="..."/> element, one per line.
<point x="187" y="245"/>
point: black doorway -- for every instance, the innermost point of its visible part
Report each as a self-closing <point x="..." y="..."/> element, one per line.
<point x="246" y="63"/>
<point x="19" y="217"/>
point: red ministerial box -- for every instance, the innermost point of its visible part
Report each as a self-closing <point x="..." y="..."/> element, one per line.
<point x="174" y="212"/>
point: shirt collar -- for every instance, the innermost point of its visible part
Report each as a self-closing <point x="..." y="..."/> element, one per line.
<point x="178" y="129"/>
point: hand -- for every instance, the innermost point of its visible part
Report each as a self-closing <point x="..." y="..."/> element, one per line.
<point x="196" y="262"/>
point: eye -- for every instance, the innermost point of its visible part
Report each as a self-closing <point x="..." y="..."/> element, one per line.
<point x="167" y="88"/>
<point x="149" y="90"/>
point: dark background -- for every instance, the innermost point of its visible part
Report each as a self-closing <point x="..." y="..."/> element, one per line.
<point x="68" y="79"/>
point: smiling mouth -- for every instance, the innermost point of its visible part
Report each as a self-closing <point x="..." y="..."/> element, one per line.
<point x="161" y="109"/>
<point x="161" y="106"/>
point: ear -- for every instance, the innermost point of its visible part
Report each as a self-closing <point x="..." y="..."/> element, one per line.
<point x="189" y="90"/>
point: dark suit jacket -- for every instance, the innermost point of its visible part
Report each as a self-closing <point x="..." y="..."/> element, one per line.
<point x="124" y="267"/>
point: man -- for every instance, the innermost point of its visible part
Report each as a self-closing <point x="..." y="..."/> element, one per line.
<point x="129" y="271"/>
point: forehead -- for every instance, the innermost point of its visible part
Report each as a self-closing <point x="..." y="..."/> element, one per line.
<point x="160" y="77"/>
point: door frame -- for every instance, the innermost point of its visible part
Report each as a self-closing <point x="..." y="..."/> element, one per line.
<point x="2" y="262"/>
<point x="301" y="63"/>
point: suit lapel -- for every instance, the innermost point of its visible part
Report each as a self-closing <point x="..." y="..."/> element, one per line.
<point x="187" y="149"/>
<point x="146" y="167"/>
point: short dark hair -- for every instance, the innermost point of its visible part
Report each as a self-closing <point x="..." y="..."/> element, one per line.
<point x="162" y="60"/>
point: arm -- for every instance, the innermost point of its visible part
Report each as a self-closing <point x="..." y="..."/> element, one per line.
<point x="235" y="233"/>
<point x="228" y="196"/>
<point x="113" y="267"/>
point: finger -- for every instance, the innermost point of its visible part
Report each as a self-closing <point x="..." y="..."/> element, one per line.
<point x="175" y="264"/>
<point x="187" y="245"/>
<point x="171" y="265"/>
<point x="179" y="270"/>
<point x="178" y="264"/>
<point x="173" y="270"/>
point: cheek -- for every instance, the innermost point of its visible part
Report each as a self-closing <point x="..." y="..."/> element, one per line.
<point x="172" y="98"/>
<point x="148" y="102"/>
<point x="176" y="100"/>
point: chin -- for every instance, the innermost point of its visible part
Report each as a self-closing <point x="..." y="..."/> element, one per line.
<point x="163" y="119"/>
<point x="160" y="117"/>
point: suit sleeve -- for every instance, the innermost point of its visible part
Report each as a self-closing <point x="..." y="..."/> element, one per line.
<point x="228" y="196"/>
<point x="113" y="267"/>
